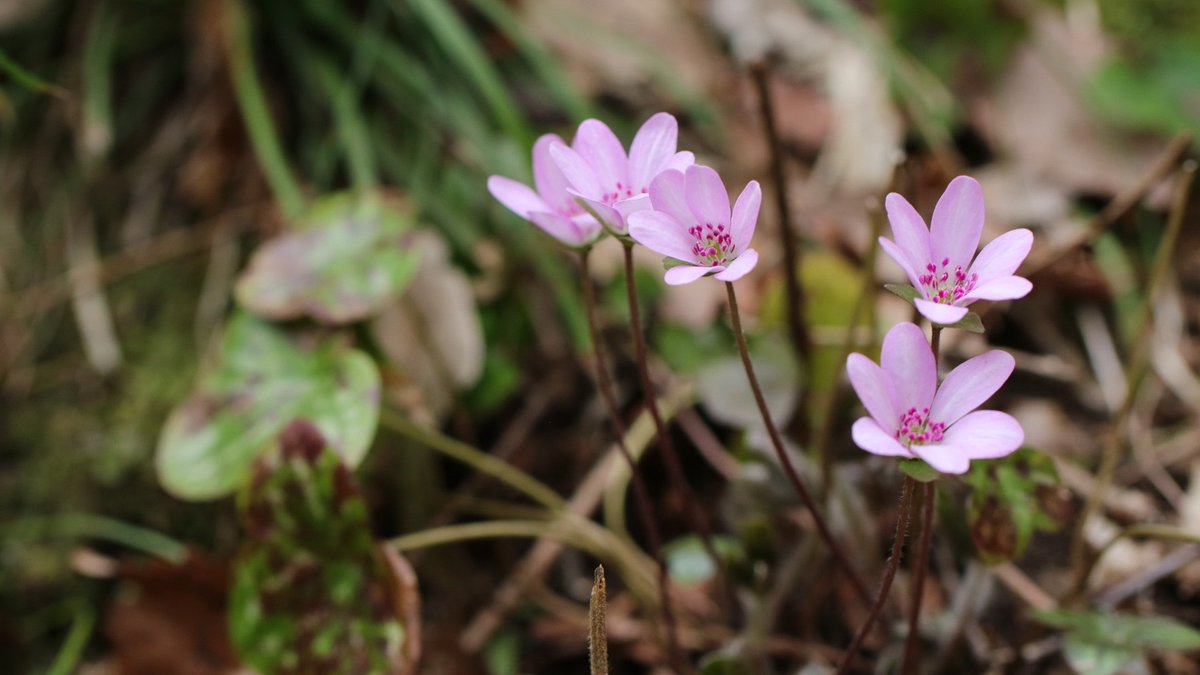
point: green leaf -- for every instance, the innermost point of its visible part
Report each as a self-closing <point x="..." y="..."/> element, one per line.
<point x="263" y="381"/>
<point x="1123" y="630"/>
<point x="312" y="592"/>
<point x="905" y="291"/>
<point x="970" y="323"/>
<point x="689" y="562"/>
<point x="1011" y="499"/>
<point x="345" y="259"/>
<point x="919" y="470"/>
<point x="1093" y="658"/>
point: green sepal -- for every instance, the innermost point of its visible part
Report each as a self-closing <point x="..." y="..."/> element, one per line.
<point x="970" y="323"/>
<point x="918" y="470"/>
<point x="905" y="291"/>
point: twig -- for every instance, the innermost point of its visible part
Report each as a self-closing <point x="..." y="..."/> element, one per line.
<point x="1136" y="369"/>
<point x="1023" y="587"/>
<point x="598" y="625"/>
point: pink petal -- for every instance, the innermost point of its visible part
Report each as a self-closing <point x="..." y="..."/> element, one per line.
<point x="874" y="389"/>
<point x="909" y="231"/>
<point x="579" y="174"/>
<point x="740" y="266"/>
<point x="1003" y="255"/>
<point x="1004" y="288"/>
<point x="610" y="218"/>
<point x="745" y="215"/>
<point x="667" y="195"/>
<point x="706" y="196"/>
<point x="599" y="146"/>
<point x="986" y="434"/>
<point x="628" y="207"/>
<point x="561" y="228"/>
<point x="870" y="437"/>
<point x="652" y="147"/>
<point x="969" y="385"/>
<point x="944" y="457"/>
<point x="908" y="361"/>
<point x="901" y="259"/>
<point x="686" y="274"/>
<point x="589" y="229"/>
<point x="939" y="313"/>
<point x="517" y="197"/>
<point x="661" y="233"/>
<point x="957" y="222"/>
<point x="551" y="183"/>
<point x="680" y="162"/>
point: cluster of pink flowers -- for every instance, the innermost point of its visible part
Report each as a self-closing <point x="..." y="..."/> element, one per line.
<point x="660" y="198"/>
<point x="654" y="195"/>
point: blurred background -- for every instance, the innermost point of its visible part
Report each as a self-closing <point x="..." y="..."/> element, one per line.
<point x="171" y="170"/>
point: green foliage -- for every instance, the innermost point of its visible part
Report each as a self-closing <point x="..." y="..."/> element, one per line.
<point x="263" y="379"/>
<point x="1012" y="498"/>
<point x="918" y="470"/>
<point x="970" y="322"/>
<point x="344" y="260"/>
<point x="689" y="563"/>
<point x="312" y="593"/>
<point x="950" y="34"/>
<point x="1103" y="643"/>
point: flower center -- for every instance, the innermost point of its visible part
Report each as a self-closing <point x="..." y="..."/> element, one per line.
<point x="713" y="244"/>
<point x="620" y="192"/>
<point x="916" y="429"/>
<point x="944" y="285"/>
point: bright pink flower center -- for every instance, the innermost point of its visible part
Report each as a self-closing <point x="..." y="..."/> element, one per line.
<point x="916" y="429"/>
<point x="944" y="285"/>
<point x="620" y="192"/>
<point x="713" y="244"/>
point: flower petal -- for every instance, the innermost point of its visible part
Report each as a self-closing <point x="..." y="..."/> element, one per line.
<point x="517" y="197"/>
<point x="561" y="228"/>
<point x="745" y="216"/>
<point x="628" y="207"/>
<point x="944" y="457"/>
<point x="601" y="149"/>
<point x="868" y="435"/>
<point x="908" y="361"/>
<point x="1002" y="256"/>
<point x="652" y="147"/>
<point x="740" y="266"/>
<point x="686" y="274"/>
<point x="663" y="234"/>
<point x="957" y="222"/>
<point x="706" y="195"/>
<point x="680" y="162"/>
<point x="986" y="434"/>
<point x="969" y="385"/>
<point x="1004" y="288"/>
<point x="874" y="389"/>
<point x="610" y="218"/>
<point x="667" y="194"/>
<point x="901" y="258"/>
<point x="579" y="174"/>
<point x="551" y="183"/>
<point x="909" y="231"/>
<point x="939" y="313"/>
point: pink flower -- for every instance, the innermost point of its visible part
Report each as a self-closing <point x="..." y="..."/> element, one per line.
<point x="551" y="208"/>
<point x="691" y="222"/>
<point x="911" y="416"/>
<point x="937" y="260"/>
<point x="614" y="184"/>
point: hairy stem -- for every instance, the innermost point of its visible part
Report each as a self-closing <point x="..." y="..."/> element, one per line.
<point x="909" y="665"/>
<point x="641" y="494"/>
<point x="781" y="452"/>
<point x="889" y="573"/>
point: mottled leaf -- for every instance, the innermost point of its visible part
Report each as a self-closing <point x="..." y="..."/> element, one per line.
<point x="1012" y="498"/>
<point x="312" y="592"/>
<point x="263" y="379"/>
<point x="344" y="260"/>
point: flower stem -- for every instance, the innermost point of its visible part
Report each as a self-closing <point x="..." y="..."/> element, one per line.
<point x="665" y="445"/>
<point x="641" y="494"/>
<point x="889" y="573"/>
<point x="790" y="469"/>
<point x="909" y="665"/>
